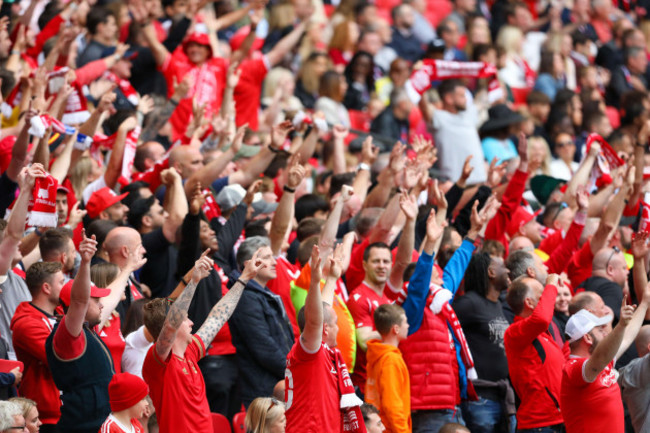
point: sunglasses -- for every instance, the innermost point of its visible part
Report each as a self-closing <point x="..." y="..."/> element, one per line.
<point x="564" y="143"/>
<point x="615" y="250"/>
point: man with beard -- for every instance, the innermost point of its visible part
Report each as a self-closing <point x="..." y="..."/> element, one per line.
<point x="81" y="364"/>
<point x="590" y="397"/>
<point x="455" y="132"/>
<point x="56" y="245"/>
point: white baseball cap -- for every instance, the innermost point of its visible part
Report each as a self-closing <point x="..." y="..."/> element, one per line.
<point x="582" y="322"/>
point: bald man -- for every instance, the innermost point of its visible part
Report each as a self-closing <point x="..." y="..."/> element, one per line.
<point x="608" y="278"/>
<point x="634" y="380"/>
<point x="120" y="243"/>
<point x="187" y="160"/>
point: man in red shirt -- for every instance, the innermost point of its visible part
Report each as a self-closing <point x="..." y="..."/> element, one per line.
<point x="170" y="367"/>
<point x="535" y="360"/>
<point x="364" y="300"/>
<point x="313" y="374"/>
<point x="31" y="324"/>
<point x="590" y="396"/>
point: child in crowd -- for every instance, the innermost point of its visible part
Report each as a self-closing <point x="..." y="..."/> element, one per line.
<point x="388" y="385"/>
<point x="127" y="394"/>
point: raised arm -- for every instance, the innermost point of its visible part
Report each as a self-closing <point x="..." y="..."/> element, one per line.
<point x="581" y="177"/>
<point x="80" y="291"/>
<point x="261" y="161"/>
<point x="178" y="311"/>
<point x="19" y="151"/>
<point x="285" y="45"/>
<point x="283" y="216"/>
<point x="175" y="203"/>
<point x="222" y="311"/>
<point x="640" y="249"/>
<point x="607" y="349"/>
<point x="328" y="233"/>
<point x="114" y="167"/>
<point x="361" y="182"/>
<point x="158" y="50"/>
<point x="633" y="328"/>
<point x="409" y="207"/>
<point x="119" y="284"/>
<point x="312" y="334"/>
<point x="16" y="224"/>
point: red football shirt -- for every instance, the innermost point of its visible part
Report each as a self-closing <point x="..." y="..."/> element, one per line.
<point x="249" y="90"/>
<point x="594" y="407"/>
<point x="177" y="389"/>
<point x="281" y="286"/>
<point x="112" y="425"/>
<point x="311" y="391"/>
<point x="111" y="335"/>
<point x="362" y="305"/>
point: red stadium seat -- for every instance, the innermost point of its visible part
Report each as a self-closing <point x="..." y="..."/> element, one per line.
<point x="238" y="422"/>
<point x="220" y="423"/>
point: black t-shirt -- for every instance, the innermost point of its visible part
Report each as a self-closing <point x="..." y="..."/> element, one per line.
<point x="484" y="325"/>
<point x="158" y="273"/>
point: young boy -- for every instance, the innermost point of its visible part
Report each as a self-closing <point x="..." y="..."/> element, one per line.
<point x="127" y="394"/>
<point x="388" y="386"/>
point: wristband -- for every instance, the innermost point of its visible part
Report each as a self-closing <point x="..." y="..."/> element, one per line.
<point x="83" y="142"/>
<point x="240" y="282"/>
<point x="183" y="281"/>
<point x="273" y="149"/>
<point x="174" y="103"/>
<point x="15" y="52"/>
<point x="38" y="232"/>
<point x="363" y="166"/>
<point x="287" y="189"/>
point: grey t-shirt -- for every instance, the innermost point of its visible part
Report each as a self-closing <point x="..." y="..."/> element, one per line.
<point x="634" y="380"/>
<point x="14" y="291"/>
<point x="456" y="138"/>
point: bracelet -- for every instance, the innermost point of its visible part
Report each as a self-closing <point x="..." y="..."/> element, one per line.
<point x="363" y="166"/>
<point x="183" y="281"/>
<point x="15" y="52"/>
<point x="38" y="232"/>
<point x="287" y="189"/>
<point x="240" y="282"/>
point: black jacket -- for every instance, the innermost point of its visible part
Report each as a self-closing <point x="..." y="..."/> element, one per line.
<point x="263" y="336"/>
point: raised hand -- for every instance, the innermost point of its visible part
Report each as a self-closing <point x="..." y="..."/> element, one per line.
<point x="252" y="190"/>
<point x="594" y="149"/>
<point x="397" y="159"/>
<point x="626" y="313"/>
<point x="107" y="99"/>
<point x="296" y="172"/>
<point x="314" y="263"/>
<point x="239" y="138"/>
<point x="129" y="124"/>
<point x="582" y="198"/>
<point x="335" y="262"/>
<point x="412" y="175"/>
<point x="467" y="171"/>
<point x="28" y="175"/>
<point x="369" y="152"/>
<point x="639" y="245"/>
<point x="279" y="133"/>
<point x="145" y="105"/>
<point x="234" y="73"/>
<point x="76" y="215"/>
<point x="434" y="230"/>
<point x="340" y="132"/>
<point x="552" y="279"/>
<point x="197" y="199"/>
<point x="346" y="193"/>
<point x="252" y="267"/>
<point x="87" y="248"/>
<point x="495" y="173"/>
<point x="409" y="205"/>
<point x="436" y="196"/>
<point x="181" y="89"/>
<point x="168" y="176"/>
<point x="202" y="267"/>
<point x="491" y="207"/>
<point x="522" y="147"/>
<point x="135" y="260"/>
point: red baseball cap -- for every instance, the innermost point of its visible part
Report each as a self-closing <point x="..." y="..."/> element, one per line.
<point x="198" y="38"/>
<point x="95" y="292"/>
<point x="518" y="219"/>
<point x="102" y="199"/>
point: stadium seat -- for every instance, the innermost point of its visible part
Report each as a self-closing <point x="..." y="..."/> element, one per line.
<point x="220" y="423"/>
<point x="238" y="422"/>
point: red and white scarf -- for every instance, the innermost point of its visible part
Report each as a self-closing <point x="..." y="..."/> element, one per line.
<point x="40" y="123"/>
<point x="125" y="86"/>
<point x="43" y="209"/>
<point x="432" y="70"/>
<point x="350" y="404"/>
<point x="606" y="161"/>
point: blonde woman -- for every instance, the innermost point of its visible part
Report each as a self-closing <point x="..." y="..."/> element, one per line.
<point x="540" y="154"/>
<point x="30" y="413"/>
<point x="265" y="415"/>
<point x="309" y="76"/>
<point x="515" y="72"/>
<point x="278" y="97"/>
<point x="83" y="172"/>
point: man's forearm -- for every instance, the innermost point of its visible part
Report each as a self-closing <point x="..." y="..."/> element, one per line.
<point x="220" y="314"/>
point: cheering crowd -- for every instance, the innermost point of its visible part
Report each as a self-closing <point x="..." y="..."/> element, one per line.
<point x="324" y="216"/>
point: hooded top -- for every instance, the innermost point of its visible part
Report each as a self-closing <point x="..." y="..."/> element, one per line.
<point x="388" y="386"/>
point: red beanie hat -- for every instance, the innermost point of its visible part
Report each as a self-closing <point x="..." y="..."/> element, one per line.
<point x="125" y="390"/>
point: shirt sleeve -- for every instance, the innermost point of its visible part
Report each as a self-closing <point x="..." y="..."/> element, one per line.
<point x="355" y="274"/>
<point x="574" y="372"/>
<point x="360" y="311"/>
<point x="65" y="345"/>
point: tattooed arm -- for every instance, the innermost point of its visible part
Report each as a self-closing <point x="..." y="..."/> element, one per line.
<point x="222" y="311"/>
<point x="178" y="311"/>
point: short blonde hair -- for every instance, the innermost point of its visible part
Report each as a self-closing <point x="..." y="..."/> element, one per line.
<point x="25" y="404"/>
<point x="509" y="38"/>
<point x="273" y="80"/>
<point x="262" y="413"/>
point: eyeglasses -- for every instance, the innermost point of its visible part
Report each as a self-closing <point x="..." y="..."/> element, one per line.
<point x="274" y="401"/>
<point x="615" y="250"/>
<point x="20" y="427"/>
<point x="560" y="208"/>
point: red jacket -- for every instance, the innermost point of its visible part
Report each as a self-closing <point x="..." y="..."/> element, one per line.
<point x="535" y="363"/>
<point x="510" y="201"/>
<point x="561" y="256"/>
<point x="30" y="328"/>
<point x="430" y="356"/>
